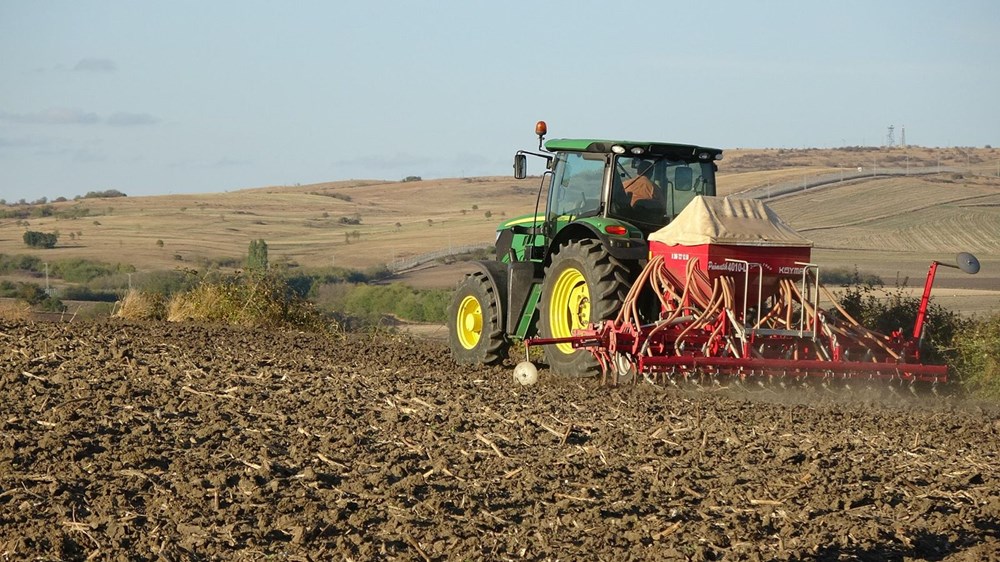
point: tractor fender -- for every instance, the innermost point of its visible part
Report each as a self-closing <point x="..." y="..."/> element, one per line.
<point x="625" y="249"/>
<point x="496" y="274"/>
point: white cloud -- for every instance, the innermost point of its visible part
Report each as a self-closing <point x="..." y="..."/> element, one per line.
<point x="74" y="116"/>
<point x="52" y="116"/>
<point x="124" y="119"/>
<point x="95" y="65"/>
<point x="22" y="142"/>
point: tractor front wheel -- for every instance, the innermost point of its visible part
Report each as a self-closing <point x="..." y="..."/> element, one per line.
<point x="474" y="330"/>
<point x="583" y="284"/>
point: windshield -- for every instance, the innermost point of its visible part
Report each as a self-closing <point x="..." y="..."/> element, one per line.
<point x="576" y="185"/>
<point x="653" y="191"/>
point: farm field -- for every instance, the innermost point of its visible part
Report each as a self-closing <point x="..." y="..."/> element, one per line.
<point x="187" y="442"/>
<point x="157" y="441"/>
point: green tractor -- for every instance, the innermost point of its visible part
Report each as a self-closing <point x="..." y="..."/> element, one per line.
<point x="558" y="271"/>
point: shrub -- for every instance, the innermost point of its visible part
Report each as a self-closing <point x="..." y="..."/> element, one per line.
<point x="977" y="356"/>
<point x="31" y="295"/>
<point x="81" y="293"/>
<point x="74" y="212"/>
<point x="166" y="283"/>
<point x="332" y="275"/>
<point x="844" y="276"/>
<point x="257" y="257"/>
<point x="83" y="271"/>
<point x="141" y="305"/>
<point x="41" y="211"/>
<point x="265" y="301"/>
<point x="37" y="239"/>
<point x="888" y="311"/>
<point x="105" y="193"/>
<point x="22" y="262"/>
<point x="397" y="299"/>
<point x="51" y="304"/>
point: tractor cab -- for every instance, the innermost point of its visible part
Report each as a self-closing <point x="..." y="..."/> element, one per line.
<point x="615" y="191"/>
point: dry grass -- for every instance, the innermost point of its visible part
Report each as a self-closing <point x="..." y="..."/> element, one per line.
<point x="249" y="301"/>
<point x="139" y="305"/>
<point x="205" y="302"/>
<point x="14" y="310"/>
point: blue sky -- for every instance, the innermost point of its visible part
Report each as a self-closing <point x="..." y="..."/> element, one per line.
<point x="162" y="97"/>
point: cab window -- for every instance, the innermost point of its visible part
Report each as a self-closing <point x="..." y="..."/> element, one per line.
<point x="652" y="191"/>
<point x="576" y="184"/>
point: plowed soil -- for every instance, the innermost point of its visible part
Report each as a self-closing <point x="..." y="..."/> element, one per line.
<point x="126" y="441"/>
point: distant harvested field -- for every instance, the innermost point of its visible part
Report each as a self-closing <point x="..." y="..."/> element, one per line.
<point x="930" y="214"/>
<point x="882" y="225"/>
<point x="307" y="225"/>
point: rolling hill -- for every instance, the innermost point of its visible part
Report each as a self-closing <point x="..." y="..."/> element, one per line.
<point x="889" y="225"/>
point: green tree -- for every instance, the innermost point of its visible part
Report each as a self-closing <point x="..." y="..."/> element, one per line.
<point x="37" y="239"/>
<point x="257" y="256"/>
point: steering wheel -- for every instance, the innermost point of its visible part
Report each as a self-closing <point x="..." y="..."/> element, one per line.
<point x="581" y="206"/>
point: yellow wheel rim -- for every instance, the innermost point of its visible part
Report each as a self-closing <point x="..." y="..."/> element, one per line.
<point x="569" y="306"/>
<point x="469" y="324"/>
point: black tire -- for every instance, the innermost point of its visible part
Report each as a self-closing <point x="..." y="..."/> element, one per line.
<point x="475" y="334"/>
<point x="582" y="284"/>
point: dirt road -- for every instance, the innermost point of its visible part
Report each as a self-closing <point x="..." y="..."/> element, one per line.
<point x="124" y="441"/>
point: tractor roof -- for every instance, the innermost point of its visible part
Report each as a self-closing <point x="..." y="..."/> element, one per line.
<point x="678" y="151"/>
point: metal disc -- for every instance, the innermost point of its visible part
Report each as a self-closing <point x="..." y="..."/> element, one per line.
<point x="968" y="262"/>
<point x="623" y="367"/>
<point x="526" y="373"/>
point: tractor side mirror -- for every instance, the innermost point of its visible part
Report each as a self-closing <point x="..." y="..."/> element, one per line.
<point x="520" y="166"/>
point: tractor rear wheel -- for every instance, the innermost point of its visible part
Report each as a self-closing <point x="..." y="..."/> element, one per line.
<point x="475" y="334"/>
<point x="583" y="284"/>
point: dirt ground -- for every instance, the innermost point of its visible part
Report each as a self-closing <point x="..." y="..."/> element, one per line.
<point x="127" y="441"/>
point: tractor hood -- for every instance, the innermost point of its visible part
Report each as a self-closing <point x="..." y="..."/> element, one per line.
<point x="722" y="220"/>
